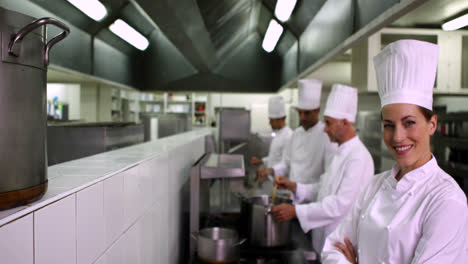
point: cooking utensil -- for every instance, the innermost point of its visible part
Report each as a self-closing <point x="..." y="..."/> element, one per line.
<point x="218" y="245"/>
<point x="23" y="77"/>
<point x="274" y="194"/>
<point x="262" y="228"/>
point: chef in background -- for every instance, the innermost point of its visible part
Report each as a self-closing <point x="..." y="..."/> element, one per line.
<point x="415" y="212"/>
<point x="349" y="171"/>
<point x="277" y="116"/>
<point x="309" y="149"/>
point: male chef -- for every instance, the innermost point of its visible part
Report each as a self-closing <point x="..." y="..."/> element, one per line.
<point x="282" y="133"/>
<point x="349" y="171"/>
<point x="309" y="149"/>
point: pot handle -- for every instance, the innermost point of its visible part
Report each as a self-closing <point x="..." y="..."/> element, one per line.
<point x="32" y="26"/>
<point x="242" y="241"/>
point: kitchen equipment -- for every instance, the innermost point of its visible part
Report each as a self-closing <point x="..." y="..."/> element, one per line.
<point x="263" y="230"/>
<point x="23" y="113"/>
<point x="204" y="175"/>
<point x="218" y="245"/>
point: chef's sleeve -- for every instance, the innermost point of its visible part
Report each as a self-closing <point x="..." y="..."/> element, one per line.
<point x="305" y="193"/>
<point x="347" y="228"/>
<point x="332" y="208"/>
<point x="265" y="160"/>
<point x="444" y="238"/>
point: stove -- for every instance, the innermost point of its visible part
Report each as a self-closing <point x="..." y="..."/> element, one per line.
<point x="293" y="252"/>
<point x="250" y="254"/>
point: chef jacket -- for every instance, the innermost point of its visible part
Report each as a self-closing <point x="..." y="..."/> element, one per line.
<point x="275" y="154"/>
<point x="348" y="173"/>
<point x="423" y="218"/>
<point x="306" y="155"/>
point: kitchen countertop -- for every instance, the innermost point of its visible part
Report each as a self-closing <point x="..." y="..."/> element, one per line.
<point x="72" y="176"/>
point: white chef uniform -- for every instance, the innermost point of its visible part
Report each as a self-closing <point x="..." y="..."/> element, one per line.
<point x="277" y="109"/>
<point x="422" y="218"/>
<point x="348" y="173"/>
<point x="277" y="146"/>
<point x="307" y="153"/>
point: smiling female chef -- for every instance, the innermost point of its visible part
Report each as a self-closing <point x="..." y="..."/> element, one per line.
<point x="414" y="213"/>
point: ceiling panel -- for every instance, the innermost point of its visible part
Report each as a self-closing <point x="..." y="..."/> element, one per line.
<point x="433" y="13"/>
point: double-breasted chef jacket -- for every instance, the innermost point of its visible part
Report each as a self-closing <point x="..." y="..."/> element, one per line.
<point x="423" y="218"/>
<point x="306" y="155"/>
<point x="348" y="173"/>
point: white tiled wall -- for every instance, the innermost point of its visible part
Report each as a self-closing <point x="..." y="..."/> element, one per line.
<point x="90" y="224"/>
<point x="113" y="208"/>
<point x="133" y="217"/>
<point x="16" y="241"/>
<point x="55" y="232"/>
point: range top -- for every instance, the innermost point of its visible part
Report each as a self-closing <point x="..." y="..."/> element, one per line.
<point x="276" y="255"/>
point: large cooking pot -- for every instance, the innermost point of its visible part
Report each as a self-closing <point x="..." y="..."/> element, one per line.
<point x="23" y="116"/>
<point x="218" y="245"/>
<point x="263" y="229"/>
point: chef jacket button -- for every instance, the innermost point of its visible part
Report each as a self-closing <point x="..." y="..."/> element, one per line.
<point x="389" y="228"/>
<point x="362" y="216"/>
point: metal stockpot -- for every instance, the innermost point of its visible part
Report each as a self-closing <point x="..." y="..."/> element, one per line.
<point x="263" y="230"/>
<point x="218" y="245"/>
<point x="23" y="71"/>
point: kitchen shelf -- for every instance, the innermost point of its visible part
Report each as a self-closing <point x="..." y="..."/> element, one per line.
<point x="179" y="102"/>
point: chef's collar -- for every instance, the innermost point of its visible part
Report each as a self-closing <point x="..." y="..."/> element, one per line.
<point x="351" y="142"/>
<point x="412" y="178"/>
<point x="279" y="131"/>
<point x="313" y="128"/>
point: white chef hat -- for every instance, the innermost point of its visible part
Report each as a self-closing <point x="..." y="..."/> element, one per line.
<point x="309" y="94"/>
<point x="276" y="108"/>
<point x="406" y="71"/>
<point x="342" y="103"/>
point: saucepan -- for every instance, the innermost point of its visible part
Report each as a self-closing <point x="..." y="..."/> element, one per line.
<point x="218" y="245"/>
<point x="263" y="229"/>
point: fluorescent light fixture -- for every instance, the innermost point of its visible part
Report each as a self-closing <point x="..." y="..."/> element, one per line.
<point x="284" y="9"/>
<point x="456" y="23"/>
<point x="129" y="34"/>
<point x="92" y="8"/>
<point x="272" y="36"/>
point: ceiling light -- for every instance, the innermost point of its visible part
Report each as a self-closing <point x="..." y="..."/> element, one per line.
<point x="129" y="34"/>
<point x="272" y="36"/>
<point x="456" y="23"/>
<point x="284" y="9"/>
<point x="92" y="8"/>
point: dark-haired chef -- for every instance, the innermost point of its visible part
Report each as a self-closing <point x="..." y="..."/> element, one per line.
<point x="309" y="149"/>
<point x="349" y="171"/>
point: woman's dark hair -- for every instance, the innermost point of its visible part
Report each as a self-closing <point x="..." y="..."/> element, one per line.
<point x="426" y="113"/>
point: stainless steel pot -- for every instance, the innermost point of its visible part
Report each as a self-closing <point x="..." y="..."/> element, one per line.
<point x="218" y="245"/>
<point x="23" y="72"/>
<point x="263" y="230"/>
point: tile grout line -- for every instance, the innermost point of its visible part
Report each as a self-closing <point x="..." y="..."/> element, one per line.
<point x="34" y="237"/>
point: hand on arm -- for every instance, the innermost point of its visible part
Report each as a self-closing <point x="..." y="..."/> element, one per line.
<point x="347" y="250"/>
